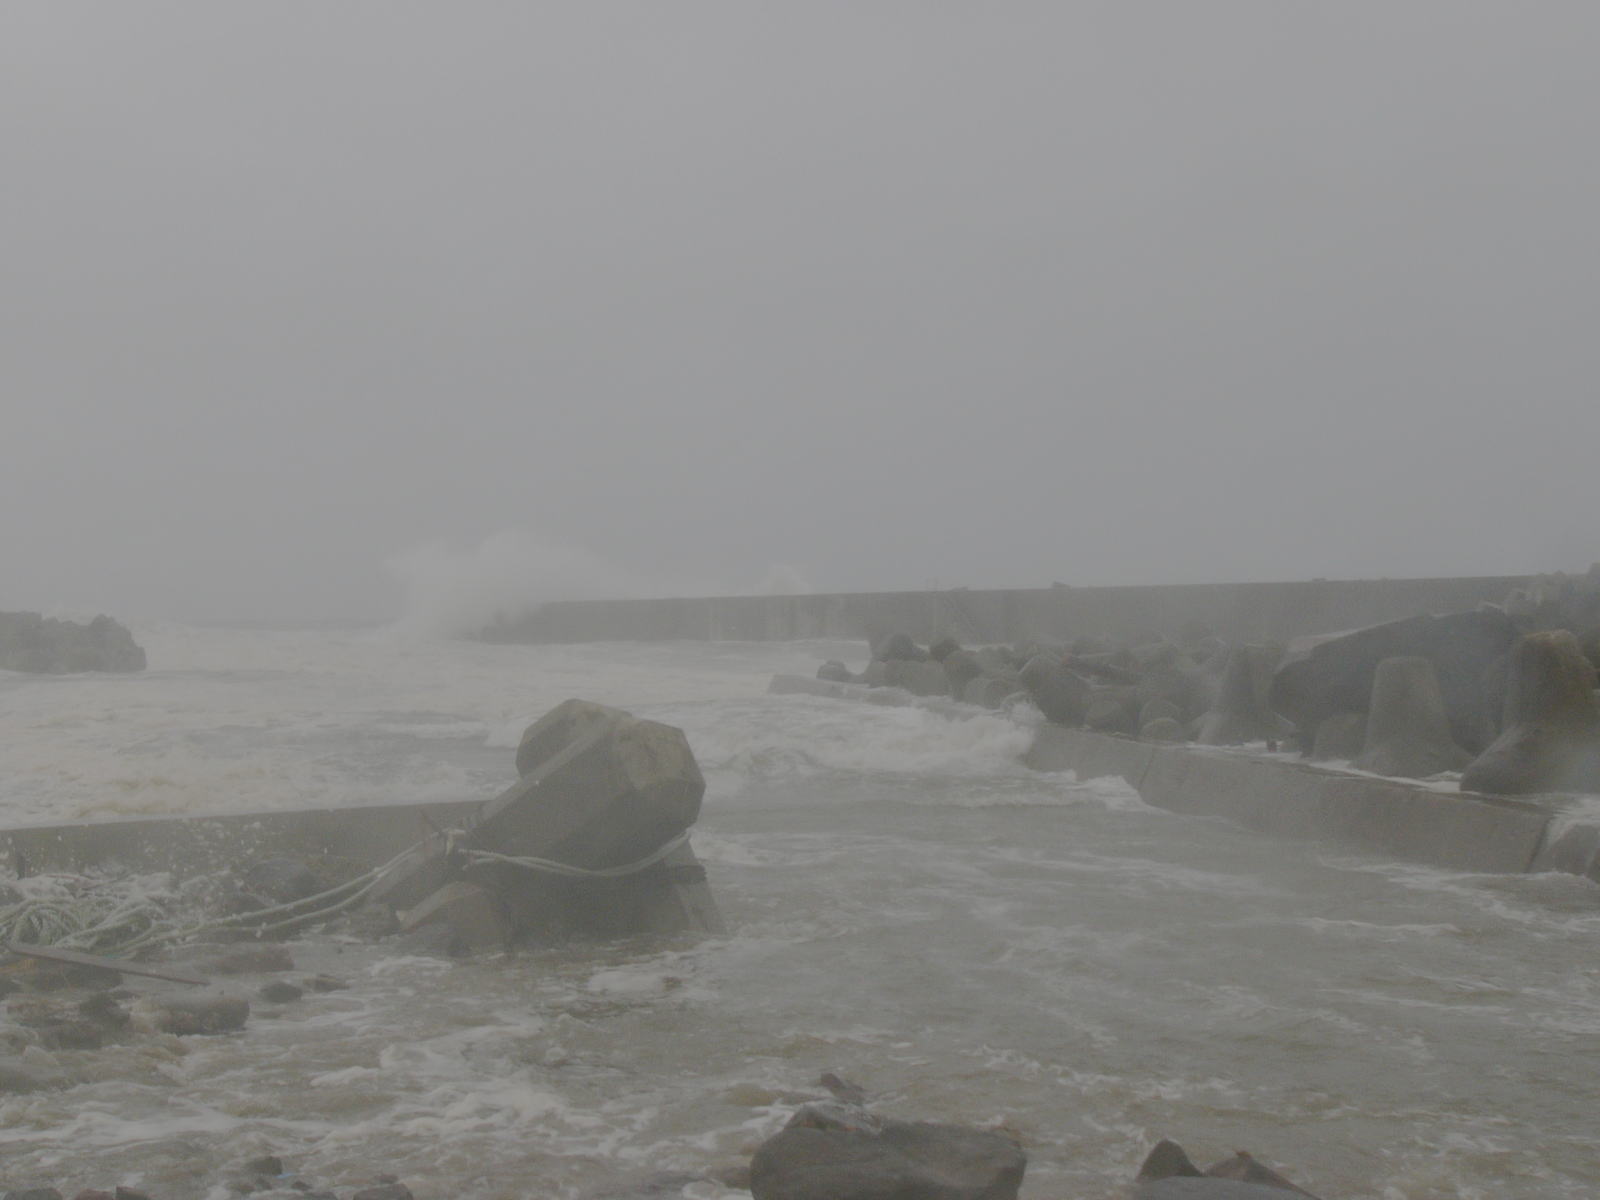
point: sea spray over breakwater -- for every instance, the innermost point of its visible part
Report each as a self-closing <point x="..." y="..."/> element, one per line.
<point x="968" y="940"/>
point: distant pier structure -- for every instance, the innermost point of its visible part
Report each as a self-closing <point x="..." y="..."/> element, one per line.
<point x="1233" y="611"/>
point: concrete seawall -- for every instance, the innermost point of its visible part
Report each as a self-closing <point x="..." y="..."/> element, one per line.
<point x="1387" y="817"/>
<point x="1233" y="611"/>
<point x="186" y="845"/>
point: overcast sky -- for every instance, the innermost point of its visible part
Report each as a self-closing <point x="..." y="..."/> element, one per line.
<point x="303" y="300"/>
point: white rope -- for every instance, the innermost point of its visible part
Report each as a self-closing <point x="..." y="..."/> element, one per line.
<point x="550" y="867"/>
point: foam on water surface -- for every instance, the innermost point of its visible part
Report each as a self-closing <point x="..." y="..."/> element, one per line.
<point x="910" y="907"/>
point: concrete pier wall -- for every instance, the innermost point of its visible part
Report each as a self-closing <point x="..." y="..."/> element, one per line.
<point x="1235" y="611"/>
<point x="187" y="845"/>
<point x="1387" y="817"/>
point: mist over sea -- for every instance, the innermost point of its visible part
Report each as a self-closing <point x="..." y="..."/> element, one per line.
<point x="910" y="907"/>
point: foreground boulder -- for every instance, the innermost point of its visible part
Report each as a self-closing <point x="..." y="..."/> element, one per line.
<point x="1551" y="737"/>
<point x="44" y="646"/>
<point x="1408" y="732"/>
<point x="835" y="1152"/>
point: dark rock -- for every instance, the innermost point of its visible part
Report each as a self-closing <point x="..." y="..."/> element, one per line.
<point x="1408" y="733"/>
<point x="94" y="1194"/>
<point x="834" y="671"/>
<point x="1167" y="1160"/>
<point x="1341" y="736"/>
<point x="1331" y="674"/>
<point x="269" y="1165"/>
<point x="384" y="1191"/>
<point x="829" y="1152"/>
<point x="1551" y="737"/>
<point x="189" y="1014"/>
<point x="280" y="992"/>
<point x="281" y="880"/>
<point x="43" y="645"/>
<point x="943" y="648"/>
<point x="898" y="647"/>
<point x="1169" y="1174"/>
<point x="842" y="1089"/>
<point x="128" y="1193"/>
<point x="323" y="983"/>
<point x="1244" y="1168"/>
<point x="1062" y="695"/>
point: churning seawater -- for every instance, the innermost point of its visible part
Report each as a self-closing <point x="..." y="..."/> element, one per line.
<point x="910" y="908"/>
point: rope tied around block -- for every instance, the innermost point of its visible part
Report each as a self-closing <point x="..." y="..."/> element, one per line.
<point x="548" y="866"/>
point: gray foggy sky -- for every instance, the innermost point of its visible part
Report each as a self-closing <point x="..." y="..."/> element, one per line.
<point x="665" y="293"/>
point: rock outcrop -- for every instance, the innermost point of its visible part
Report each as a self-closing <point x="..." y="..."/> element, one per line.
<point x="45" y="646"/>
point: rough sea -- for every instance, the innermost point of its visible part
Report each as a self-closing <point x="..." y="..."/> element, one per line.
<point x="909" y="908"/>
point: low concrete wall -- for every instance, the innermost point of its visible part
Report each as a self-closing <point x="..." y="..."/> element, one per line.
<point x="188" y="845"/>
<point x="1386" y="817"/>
<point x="1235" y="611"/>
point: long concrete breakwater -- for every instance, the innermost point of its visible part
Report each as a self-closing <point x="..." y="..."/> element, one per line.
<point x="1391" y="818"/>
<point x="1232" y="611"/>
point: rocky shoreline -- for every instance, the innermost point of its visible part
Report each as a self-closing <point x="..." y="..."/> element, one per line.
<point x="41" y="645"/>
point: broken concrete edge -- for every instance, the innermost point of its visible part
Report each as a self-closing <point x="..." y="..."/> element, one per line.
<point x="1388" y="817"/>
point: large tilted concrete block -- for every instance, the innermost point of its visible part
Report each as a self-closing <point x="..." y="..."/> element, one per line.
<point x="617" y="789"/>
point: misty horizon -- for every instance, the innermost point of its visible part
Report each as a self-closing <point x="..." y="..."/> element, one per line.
<point x="317" y="310"/>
